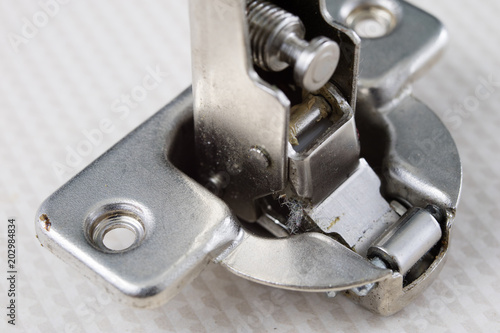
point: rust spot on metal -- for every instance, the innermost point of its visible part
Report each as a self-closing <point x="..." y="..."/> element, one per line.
<point x="45" y="219"/>
<point x="333" y="222"/>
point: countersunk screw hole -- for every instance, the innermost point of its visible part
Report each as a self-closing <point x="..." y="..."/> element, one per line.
<point x="115" y="228"/>
<point x="371" y="21"/>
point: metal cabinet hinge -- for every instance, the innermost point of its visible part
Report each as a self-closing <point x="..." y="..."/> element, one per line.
<point x="296" y="161"/>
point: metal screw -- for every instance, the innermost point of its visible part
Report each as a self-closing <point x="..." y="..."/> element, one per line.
<point x="277" y="40"/>
<point x="365" y="289"/>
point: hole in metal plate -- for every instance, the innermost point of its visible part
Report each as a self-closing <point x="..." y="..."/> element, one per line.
<point x="115" y="228"/>
<point x="371" y="20"/>
<point x="119" y="239"/>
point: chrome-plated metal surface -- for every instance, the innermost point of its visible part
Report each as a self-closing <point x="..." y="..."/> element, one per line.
<point x="170" y="255"/>
<point x="306" y="115"/>
<point x="359" y="227"/>
<point x="135" y="179"/>
<point x="400" y="55"/>
<point x="114" y="216"/>
<point x="274" y="225"/>
<point x="217" y="183"/>
<point x="421" y="166"/>
<point x="391" y="295"/>
<point x="402" y="139"/>
<point x="316" y="16"/>
<point x="232" y="135"/>
<point x="276" y="37"/>
<point x="364" y="290"/>
<point x="234" y="110"/>
<point x="314" y="62"/>
<point x="305" y="262"/>
<point x="330" y="155"/>
<point x="269" y="26"/>
<point x="407" y="241"/>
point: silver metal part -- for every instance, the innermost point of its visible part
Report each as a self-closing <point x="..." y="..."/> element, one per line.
<point x="306" y="115"/>
<point x="403" y="139"/>
<point x="391" y="295"/>
<point x="407" y="241"/>
<point x="259" y="157"/>
<point x="365" y="290"/>
<point x="389" y="62"/>
<point x="359" y="227"/>
<point x="232" y="104"/>
<point x="114" y="216"/>
<point x="398" y="207"/>
<point x="316" y="16"/>
<point x="421" y="166"/>
<point x="306" y="262"/>
<point x="217" y="183"/>
<point x="171" y="254"/>
<point x="234" y="110"/>
<point x="276" y="38"/>
<point x="235" y="134"/>
<point x="331" y="155"/>
<point x="272" y="224"/>
<point x="134" y="178"/>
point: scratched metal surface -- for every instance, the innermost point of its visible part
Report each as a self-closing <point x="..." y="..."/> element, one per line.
<point x="69" y="75"/>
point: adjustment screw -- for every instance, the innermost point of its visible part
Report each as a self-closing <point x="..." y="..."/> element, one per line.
<point x="277" y="41"/>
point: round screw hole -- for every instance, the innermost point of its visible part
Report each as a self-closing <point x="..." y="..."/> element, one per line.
<point x="371" y="21"/>
<point x="119" y="239"/>
<point x="115" y="228"/>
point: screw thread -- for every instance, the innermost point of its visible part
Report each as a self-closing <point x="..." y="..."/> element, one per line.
<point x="291" y="48"/>
<point x="270" y="29"/>
<point x="277" y="41"/>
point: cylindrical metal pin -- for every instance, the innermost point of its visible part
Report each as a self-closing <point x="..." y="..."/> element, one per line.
<point x="407" y="241"/>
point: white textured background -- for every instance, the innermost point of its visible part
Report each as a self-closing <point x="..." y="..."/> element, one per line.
<point x="64" y="80"/>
